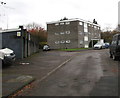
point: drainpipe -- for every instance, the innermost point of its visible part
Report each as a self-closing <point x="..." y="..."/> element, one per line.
<point x="22" y="35"/>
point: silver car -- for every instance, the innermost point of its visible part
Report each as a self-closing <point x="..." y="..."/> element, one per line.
<point x="46" y="48"/>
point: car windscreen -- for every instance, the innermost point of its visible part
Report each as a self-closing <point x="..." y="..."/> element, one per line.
<point x="98" y="44"/>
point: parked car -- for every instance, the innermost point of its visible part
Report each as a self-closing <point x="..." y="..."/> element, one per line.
<point x="107" y="45"/>
<point x="46" y="48"/>
<point x="7" y="56"/>
<point x="115" y="47"/>
<point x="99" y="45"/>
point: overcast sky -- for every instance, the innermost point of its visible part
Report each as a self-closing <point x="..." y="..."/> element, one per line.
<point x="22" y="12"/>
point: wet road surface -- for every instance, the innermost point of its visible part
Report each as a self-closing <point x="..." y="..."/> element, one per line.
<point x="89" y="73"/>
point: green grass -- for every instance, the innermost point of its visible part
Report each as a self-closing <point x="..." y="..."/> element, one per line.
<point x="73" y="49"/>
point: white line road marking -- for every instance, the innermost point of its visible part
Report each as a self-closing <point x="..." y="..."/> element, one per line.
<point x="51" y="72"/>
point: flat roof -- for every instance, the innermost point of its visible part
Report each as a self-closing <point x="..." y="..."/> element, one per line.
<point x="73" y="19"/>
<point x="10" y="30"/>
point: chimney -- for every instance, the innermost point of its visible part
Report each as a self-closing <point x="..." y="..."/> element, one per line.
<point x="21" y="27"/>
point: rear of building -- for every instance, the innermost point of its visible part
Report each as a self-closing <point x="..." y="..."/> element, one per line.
<point x="72" y="33"/>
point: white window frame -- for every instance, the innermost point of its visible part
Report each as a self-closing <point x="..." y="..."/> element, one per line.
<point x="89" y="25"/>
<point x="56" y="24"/>
<point x="99" y="35"/>
<point x="68" y="41"/>
<point x="85" y="38"/>
<point x="57" y="42"/>
<point x="67" y="23"/>
<point x="56" y="33"/>
<point x="85" y="27"/>
<point x="95" y="27"/>
<point x="67" y="32"/>
<point x="86" y="46"/>
<point x="89" y="33"/>
<point x="62" y="42"/>
<point x="62" y="33"/>
<point x="62" y="23"/>
<point x="18" y="34"/>
<point x="80" y="23"/>
<point x="81" y="42"/>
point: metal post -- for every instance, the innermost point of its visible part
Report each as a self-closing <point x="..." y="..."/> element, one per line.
<point x="92" y="43"/>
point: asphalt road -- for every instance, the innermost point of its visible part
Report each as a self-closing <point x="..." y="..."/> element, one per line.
<point x="88" y="73"/>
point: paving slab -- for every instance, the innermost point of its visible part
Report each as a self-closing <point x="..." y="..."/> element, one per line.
<point x="13" y="83"/>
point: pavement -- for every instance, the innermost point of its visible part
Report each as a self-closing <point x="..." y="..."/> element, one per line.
<point x="13" y="83"/>
<point x="26" y="71"/>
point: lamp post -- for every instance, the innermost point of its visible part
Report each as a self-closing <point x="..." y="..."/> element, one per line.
<point x="2" y="13"/>
<point x="119" y="15"/>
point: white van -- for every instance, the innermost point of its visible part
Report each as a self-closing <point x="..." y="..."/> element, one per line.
<point x="7" y="56"/>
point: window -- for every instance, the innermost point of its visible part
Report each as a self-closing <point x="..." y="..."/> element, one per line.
<point x="89" y="25"/>
<point x="80" y="32"/>
<point x="95" y="27"/>
<point x="86" y="46"/>
<point x="89" y="33"/>
<point x="85" y="27"/>
<point x="67" y="32"/>
<point x="62" y="42"/>
<point x="80" y="23"/>
<point x="81" y="42"/>
<point x="62" y="23"/>
<point x="18" y="34"/>
<point x="62" y="33"/>
<point x="85" y="38"/>
<point x="85" y="30"/>
<point x="99" y="35"/>
<point x="67" y="41"/>
<point x="67" y="23"/>
<point x="56" y="24"/>
<point x="56" y="33"/>
<point x="56" y="42"/>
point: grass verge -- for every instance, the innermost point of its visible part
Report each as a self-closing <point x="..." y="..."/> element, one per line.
<point x="74" y="49"/>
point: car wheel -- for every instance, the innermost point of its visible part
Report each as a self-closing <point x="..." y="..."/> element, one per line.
<point x="114" y="57"/>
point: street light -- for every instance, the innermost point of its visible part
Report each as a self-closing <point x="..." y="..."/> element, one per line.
<point x="2" y="6"/>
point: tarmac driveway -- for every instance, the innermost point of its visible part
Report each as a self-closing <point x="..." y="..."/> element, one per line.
<point x="58" y="73"/>
<point x="35" y="67"/>
<point x="38" y="64"/>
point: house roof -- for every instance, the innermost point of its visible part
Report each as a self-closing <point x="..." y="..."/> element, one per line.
<point x="10" y="30"/>
<point x="73" y="19"/>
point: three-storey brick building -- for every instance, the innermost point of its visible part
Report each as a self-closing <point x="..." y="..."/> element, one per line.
<point x="72" y="33"/>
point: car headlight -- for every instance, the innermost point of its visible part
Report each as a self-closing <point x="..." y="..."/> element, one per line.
<point x="7" y="55"/>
